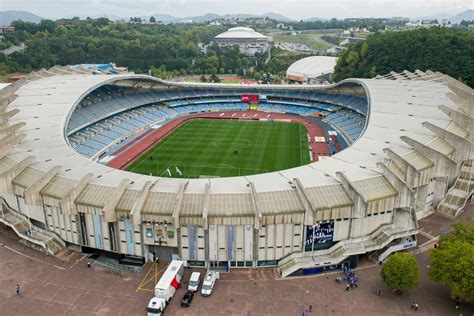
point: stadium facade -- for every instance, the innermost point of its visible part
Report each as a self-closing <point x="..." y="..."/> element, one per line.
<point x="248" y="40"/>
<point x="409" y="154"/>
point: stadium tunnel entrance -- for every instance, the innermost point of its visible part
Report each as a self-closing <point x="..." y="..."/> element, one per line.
<point x="162" y="253"/>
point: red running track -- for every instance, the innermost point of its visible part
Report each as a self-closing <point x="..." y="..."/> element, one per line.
<point x="130" y="152"/>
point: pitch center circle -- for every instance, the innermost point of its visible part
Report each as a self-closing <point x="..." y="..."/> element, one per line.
<point x="231" y="143"/>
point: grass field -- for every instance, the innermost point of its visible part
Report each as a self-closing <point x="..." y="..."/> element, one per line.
<point x="225" y="148"/>
<point x="303" y="38"/>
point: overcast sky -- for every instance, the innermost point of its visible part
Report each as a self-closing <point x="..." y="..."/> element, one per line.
<point x="296" y="9"/>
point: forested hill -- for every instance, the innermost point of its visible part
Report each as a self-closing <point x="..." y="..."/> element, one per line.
<point x="165" y="50"/>
<point x="450" y="51"/>
<point x="77" y="41"/>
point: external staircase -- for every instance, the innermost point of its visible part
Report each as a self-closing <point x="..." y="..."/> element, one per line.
<point x="458" y="195"/>
<point x="405" y="225"/>
<point x="49" y="241"/>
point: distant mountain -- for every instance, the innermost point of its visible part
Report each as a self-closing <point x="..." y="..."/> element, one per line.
<point x="467" y="15"/>
<point x="212" y="16"/>
<point x="7" y="17"/>
<point x="202" y="18"/>
<point x="454" y="19"/>
<point x="315" y="19"/>
<point x="165" y="18"/>
<point x="240" y="16"/>
<point x="111" y="17"/>
<point x="277" y="17"/>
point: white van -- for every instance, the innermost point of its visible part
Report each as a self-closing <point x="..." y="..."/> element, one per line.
<point x="209" y="282"/>
<point x="194" y="280"/>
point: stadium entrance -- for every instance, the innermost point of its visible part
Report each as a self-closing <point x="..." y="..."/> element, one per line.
<point x="162" y="253"/>
<point x="227" y="265"/>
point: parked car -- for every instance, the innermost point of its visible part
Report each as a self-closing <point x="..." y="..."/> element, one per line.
<point x="194" y="281"/>
<point x="187" y="299"/>
<point x="209" y="282"/>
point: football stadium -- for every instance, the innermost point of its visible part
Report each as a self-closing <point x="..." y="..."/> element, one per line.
<point x="303" y="178"/>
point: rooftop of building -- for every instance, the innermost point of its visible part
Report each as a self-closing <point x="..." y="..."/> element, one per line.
<point x="241" y="32"/>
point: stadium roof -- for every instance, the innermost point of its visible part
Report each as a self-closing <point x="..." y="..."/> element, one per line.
<point x="241" y="32"/>
<point x="3" y="85"/>
<point x="312" y="67"/>
<point x="398" y="110"/>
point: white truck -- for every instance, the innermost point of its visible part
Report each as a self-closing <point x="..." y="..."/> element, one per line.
<point x="166" y="287"/>
<point x="209" y="282"/>
<point x="194" y="280"/>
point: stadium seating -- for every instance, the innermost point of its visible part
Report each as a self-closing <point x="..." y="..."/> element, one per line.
<point x="349" y="121"/>
<point x="113" y="113"/>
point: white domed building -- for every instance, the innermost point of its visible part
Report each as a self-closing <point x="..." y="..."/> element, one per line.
<point x="312" y="70"/>
<point x="248" y="41"/>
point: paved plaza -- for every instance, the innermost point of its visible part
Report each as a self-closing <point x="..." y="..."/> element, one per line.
<point x="51" y="286"/>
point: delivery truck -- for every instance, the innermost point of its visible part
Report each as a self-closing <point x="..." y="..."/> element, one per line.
<point x="166" y="287"/>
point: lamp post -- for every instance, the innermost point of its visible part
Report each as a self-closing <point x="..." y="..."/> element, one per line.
<point x="156" y="247"/>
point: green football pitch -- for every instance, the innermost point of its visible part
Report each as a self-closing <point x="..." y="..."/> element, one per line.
<point x="225" y="148"/>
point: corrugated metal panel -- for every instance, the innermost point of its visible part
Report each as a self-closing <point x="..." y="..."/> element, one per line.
<point x="95" y="195"/>
<point x="6" y="164"/>
<point x="192" y="205"/>
<point x="440" y="145"/>
<point x="374" y="188"/>
<point x="279" y="202"/>
<point x="457" y="129"/>
<point x="58" y="187"/>
<point x="27" y="177"/>
<point x="159" y="203"/>
<point x="417" y="160"/>
<point x="230" y="205"/>
<point x="331" y="196"/>
<point x="396" y="170"/>
<point x="128" y="199"/>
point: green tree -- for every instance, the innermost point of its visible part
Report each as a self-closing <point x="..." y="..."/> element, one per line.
<point x="214" y="78"/>
<point x="364" y="49"/>
<point x="400" y="272"/>
<point x="166" y="50"/>
<point x="203" y="78"/>
<point x="152" y="19"/>
<point x="373" y="71"/>
<point x="443" y="49"/>
<point x="452" y="263"/>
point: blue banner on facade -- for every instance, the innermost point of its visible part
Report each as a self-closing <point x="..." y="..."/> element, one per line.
<point x="320" y="233"/>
